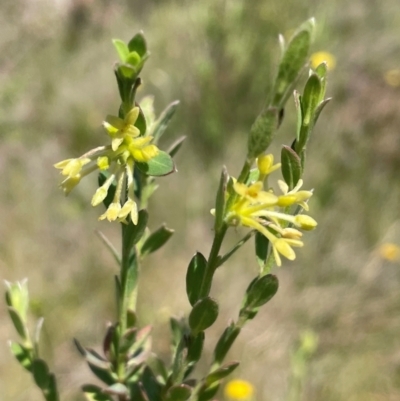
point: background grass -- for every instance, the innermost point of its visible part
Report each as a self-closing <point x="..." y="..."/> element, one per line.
<point x="217" y="57"/>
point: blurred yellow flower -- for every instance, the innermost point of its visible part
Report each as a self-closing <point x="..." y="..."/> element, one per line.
<point x="239" y="390"/>
<point x="392" y="77"/>
<point x="319" y="57"/>
<point x="389" y="252"/>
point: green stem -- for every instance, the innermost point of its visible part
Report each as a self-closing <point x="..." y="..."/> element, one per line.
<point x="213" y="261"/>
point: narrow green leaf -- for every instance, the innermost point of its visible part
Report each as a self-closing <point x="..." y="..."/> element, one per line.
<point x="162" y="122"/>
<point x="174" y="148"/>
<point x="291" y="166"/>
<point x="260" y="291"/>
<point x="180" y="392"/>
<point x="141" y="121"/>
<point x="137" y="392"/>
<point x="318" y="110"/>
<point x="194" y="277"/>
<point x="195" y="347"/>
<point x="122" y="49"/>
<point x="133" y="59"/>
<point x="156" y="240"/>
<point x="261" y="245"/>
<point x="159" y="369"/>
<point x="220" y="201"/>
<point x="23" y="355"/>
<point x="117" y="389"/>
<point x="221" y="372"/>
<point x="38" y="330"/>
<point x="138" y="44"/>
<point x="95" y="393"/>
<point x="41" y="373"/>
<point x="104" y="375"/>
<point x="225" y="342"/>
<point x="208" y="392"/>
<point x="262" y="132"/>
<point x="311" y="97"/>
<point x="203" y="315"/>
<point x="160" y="165"/>
<point x="52" y="391"/>
<point x="294" y="59"/>
<point x="176" y="330"/>
<point x="97" y="360"/>
<point x="299" y="109"/>
<point x="18" y="322"/>
<point x="151" y="386"/>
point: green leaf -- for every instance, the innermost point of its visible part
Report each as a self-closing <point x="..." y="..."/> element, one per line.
<point x="261" y="245"/>
<point x="162" y="122"/>
<point x="260" y="291"/>
<point x="23" y="355"/>
<point x="194" y="277"/>
<point x="318" y="110"/>
<point x="138" y="44"/>
<point x="220" y="201"/>
<point x="133" y="59"/>
<point x="176" y="330"/>
<point x="151" y="386"/>
<point x="127" y="71"/>
<point x="225" y="342"/>
<point x="221" y="372"/>
<point x="195" y="347"/>
<point x="174" y="148"/>
<point x="291" y="166"/>
<point x="52" y="392"/>
<point x="294" y="59"/>
<point x="156" y="240"/>
<point x="158" y="367"/>
<point x="181" y="392"/>
<point x="299" y="109"/>
<point x="160" y="165"/>
<point x="262" y="132"/>
<point x="208" y="392"/>
<point x="253" y="176"/>
<point x="117" y="389"/>
<point x="140" y="123"/>
<point x="105" y="375"/>
<point x="95" y="393"/>
<point x="203" y="314"/>
<point x="18" y="322"/>
<point x="41" y="373"/>
<point x="311" y="98"/>
<point x="122" y="49"/>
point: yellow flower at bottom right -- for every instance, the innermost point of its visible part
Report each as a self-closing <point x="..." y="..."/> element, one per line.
<point x="390" y="252"/>
<point x="239" y="390"/>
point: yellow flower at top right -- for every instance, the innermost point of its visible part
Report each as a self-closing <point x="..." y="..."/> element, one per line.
<point x="319" y="57"/>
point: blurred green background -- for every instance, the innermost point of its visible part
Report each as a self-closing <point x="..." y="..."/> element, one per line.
<point x="218" y="57"/>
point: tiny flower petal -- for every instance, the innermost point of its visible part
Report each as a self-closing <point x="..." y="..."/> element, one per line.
<point x="305" y="222"/>
<point x="112" y="212"/>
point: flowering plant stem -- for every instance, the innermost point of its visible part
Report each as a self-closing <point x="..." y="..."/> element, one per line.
<point x="128" y="166"/>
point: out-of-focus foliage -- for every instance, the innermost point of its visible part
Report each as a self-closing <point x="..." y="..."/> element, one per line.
<point x="214" y="56"/>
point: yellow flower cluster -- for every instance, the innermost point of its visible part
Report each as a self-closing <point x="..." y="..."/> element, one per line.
<point x="127" y="147"/>
<point x="264" y="211"/>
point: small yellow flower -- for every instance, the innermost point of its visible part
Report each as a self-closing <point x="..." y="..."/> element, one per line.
<point x="392" y="77"/>
<point x="390" y="252"/>
<point x="266" y="166"/>
<point x="260" y="210"/>
<point x="319" y="57"/>
<point x="127" y="147"/>
<point x="239" y="390"/>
